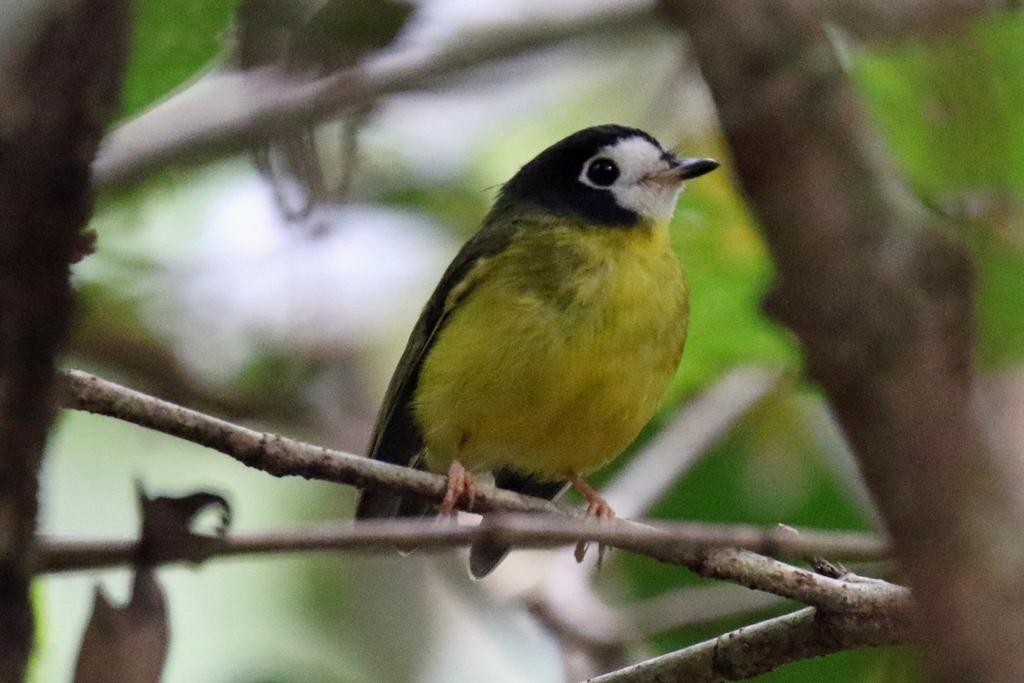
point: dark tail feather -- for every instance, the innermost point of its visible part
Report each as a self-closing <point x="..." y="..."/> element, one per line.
<point x="487" y="554"/>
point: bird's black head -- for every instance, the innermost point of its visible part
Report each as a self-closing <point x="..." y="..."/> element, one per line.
<point x="606" y="175"/>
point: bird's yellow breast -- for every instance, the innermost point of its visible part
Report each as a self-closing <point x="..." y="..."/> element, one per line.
<point x="556" y="353"/>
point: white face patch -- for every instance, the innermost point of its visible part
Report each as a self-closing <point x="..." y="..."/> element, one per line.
<point x="636" y="188"/>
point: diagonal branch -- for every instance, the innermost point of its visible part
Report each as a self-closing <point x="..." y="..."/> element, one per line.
<point x="676" y="447"/>
<point x="225" y="112"/>
<point x="765" y="646"/>
<point x="274" y="454"/>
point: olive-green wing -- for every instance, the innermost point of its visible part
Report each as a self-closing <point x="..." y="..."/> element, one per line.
<point x="396" y="437"/>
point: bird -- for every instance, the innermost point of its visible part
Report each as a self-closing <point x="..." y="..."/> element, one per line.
<point x="551" y="337"/>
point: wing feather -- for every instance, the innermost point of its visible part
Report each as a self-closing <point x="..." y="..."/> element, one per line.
<point x="396" y="437"/>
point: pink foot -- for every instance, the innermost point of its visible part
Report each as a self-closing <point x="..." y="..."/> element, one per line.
<point x="596" y="507"/>
<point x="460" y="485"/>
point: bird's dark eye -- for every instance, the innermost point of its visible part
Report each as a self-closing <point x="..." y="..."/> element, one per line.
<point x="602" y="172"/>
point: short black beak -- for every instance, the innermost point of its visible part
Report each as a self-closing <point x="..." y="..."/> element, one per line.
<point x="692" y="168"/>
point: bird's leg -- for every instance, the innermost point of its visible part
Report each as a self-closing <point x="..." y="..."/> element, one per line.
<point x="596" y="507"/>
<point x="460" y="483"/>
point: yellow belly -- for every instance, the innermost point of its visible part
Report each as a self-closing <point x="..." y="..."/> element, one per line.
<point x="553" y="364"/>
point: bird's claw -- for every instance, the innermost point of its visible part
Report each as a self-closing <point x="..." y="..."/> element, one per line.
<point x="460" y="485"/>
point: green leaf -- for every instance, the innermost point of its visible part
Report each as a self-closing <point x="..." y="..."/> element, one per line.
<point x="173" y="40"/>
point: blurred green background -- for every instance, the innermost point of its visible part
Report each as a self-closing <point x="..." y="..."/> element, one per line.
<point x="204" y="291"/>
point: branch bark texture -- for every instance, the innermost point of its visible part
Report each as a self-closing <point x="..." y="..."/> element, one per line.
<point x="762" y="647"/>
<point x="882" y="305"/>
<point x="59" y="83"/>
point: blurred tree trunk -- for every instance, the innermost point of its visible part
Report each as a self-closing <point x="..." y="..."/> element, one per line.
<point x="882" y="305"/>
<point x="60" y="75"/>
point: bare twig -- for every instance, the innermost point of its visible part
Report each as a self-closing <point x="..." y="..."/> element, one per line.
<point x="525" y="531"/>
<point x="760" y="648"/>
<point x="280" y="456"/>
<point x="274" y="454"/>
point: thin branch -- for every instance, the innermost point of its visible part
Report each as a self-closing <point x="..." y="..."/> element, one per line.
<point x="525" y="531"/>
<point x="281" y="456"/>
<point x="275" y="454"/>
<point x="762" y="647"/>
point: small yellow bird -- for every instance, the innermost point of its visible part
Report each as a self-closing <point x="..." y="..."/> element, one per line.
<point x="552" y="336"/>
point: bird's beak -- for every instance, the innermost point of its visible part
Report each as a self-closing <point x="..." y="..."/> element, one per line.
<point x="691" y="168"/>
<point x="683" y="169"/>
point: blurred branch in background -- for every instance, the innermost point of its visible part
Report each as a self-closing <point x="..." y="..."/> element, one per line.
<point x="634" y="621"/>
<point x="885" y="19"/>
<point x="226" y="111"/>
<point x="58" y="87"/>
<point x="335" y="37"/>
<point x="686" y="606"/>
<point x="883" y="307"/>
